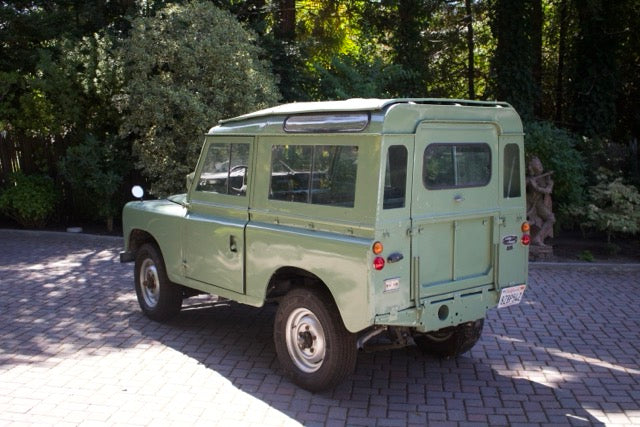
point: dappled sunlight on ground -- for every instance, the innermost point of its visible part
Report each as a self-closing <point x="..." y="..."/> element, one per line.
<point x="75" y="348"/>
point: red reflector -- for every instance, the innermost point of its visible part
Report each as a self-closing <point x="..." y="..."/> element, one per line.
<point x="378" y="263"/>
<point x="526" y="239"/>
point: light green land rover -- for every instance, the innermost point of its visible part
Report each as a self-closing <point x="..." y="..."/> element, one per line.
<point x="400" y="219"/>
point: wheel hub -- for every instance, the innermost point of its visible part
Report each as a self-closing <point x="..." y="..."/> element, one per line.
<point x="305" y="340"/>
<point x="149" y="283"/>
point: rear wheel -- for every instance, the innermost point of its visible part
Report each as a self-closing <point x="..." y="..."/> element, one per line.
<point x="313" y="346"/>
<point x="159" y="298"/>
<point x="450" y="342"/>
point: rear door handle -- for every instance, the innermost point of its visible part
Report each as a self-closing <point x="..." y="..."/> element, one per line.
<point x="233" y="246"/>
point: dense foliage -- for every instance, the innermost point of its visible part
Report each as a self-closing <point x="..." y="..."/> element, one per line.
<point x="614" y="207"/>
<point x="94" y="169"/>
<point x="557" y="150"/>
<point x="29" y="200"/>
<point x="145" y="79"/>
<point x="187" y="67"/>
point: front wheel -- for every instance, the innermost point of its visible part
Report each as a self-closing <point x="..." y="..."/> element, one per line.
<point x="313" y="346"/>
<point x="450" y="342"/>
<point x="159" y="298"/>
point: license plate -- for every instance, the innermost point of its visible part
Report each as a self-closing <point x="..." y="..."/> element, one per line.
<point x="392" y="284"/>
<point x="511" y="296"/>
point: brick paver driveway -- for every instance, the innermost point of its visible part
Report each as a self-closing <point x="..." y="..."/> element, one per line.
<point x="75" y="349"/>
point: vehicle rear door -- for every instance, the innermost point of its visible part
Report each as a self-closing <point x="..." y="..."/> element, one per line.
<point x="455" y="206"/>
<point x="513" y="254"/>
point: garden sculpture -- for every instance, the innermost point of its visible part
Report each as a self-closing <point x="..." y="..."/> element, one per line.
<point x="539" y="204"/>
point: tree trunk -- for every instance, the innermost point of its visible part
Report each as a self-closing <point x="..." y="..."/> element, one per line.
<point x="470" y="50"/>
<point x="561" y="54"/>
<point x="537" y="19"/>
<point x="286" y="26"/>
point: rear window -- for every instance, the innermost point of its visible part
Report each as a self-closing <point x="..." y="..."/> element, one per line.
<point x="449" y="165"/>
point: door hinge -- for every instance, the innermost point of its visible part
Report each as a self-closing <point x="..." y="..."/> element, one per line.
<point x="413" y="231"/>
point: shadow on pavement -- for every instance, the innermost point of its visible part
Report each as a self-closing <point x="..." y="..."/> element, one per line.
<point x="567" y="355"/>
<point x="400" y="386"/>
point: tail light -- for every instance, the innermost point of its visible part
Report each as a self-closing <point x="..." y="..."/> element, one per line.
<point x="526" y="238"/>
<point x="378" y="262"/>
<point x="377" y="248"/>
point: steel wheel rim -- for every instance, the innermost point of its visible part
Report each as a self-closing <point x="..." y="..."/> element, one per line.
<point x="149" y="283"/>
<point x="305" y="340"/>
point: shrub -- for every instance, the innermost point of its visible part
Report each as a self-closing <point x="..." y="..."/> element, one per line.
<point x="586" y="255"/>
<point x="613" y="206"/>
<point x="186" y="68"/>
<point x="30" y="200"/>
<point x="94" y="169"/>
<point x="556" y="149"/>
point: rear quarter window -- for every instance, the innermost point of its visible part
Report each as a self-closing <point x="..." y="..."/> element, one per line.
<point x="318" y="174"/>
<point x="511" y="171"/>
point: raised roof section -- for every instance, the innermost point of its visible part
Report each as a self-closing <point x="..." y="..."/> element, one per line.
<point x="356" y="104"/>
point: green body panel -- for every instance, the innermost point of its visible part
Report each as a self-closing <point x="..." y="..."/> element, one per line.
<point x="214" y="245"/>
<point x="164" y="221"/>
<point x="338" y="261"/>
<point x="442" y="247"/>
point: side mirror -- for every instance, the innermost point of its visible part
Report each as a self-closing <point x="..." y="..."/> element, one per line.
<point x="137" y="192"/>
<point x="190" y="177"/>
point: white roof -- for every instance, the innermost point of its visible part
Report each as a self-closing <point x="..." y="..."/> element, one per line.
<point x="355" y="104"/>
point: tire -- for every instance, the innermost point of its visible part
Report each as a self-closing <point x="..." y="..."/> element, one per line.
<point x="313" y="346"/>
<point x="159" y="298"/>
<point x="450" y="342"/>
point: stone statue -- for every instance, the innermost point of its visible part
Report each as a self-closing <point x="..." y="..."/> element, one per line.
<point x="539" y="204"/>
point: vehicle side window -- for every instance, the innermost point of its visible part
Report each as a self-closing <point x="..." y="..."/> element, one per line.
<point x="456" y="165"/>
<point x="319" y="174"/>
<point x="225" y="169"/>
<point x="511" y="171"/>
<point x="395" y="180"/>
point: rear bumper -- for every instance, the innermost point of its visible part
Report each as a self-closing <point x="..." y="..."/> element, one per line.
<point x="441" y="311"/>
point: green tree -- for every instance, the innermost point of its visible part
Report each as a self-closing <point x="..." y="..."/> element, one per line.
<point x="595" y="66"/>
<point x="461" y="43"/>
<point x="402" y="28"/>
<point x="515" y="60"/>
<point x="95" y="170"/>
<point x="187" y="67"/>
<point x="557" y="149"/>
<point x="614" y="207"/>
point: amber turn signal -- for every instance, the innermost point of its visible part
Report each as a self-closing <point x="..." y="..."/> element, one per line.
<point x="377" y="248"/>
<point x="525" y="227"/>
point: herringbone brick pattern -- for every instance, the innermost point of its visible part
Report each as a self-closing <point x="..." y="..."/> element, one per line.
<point x="75" y="350"/>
